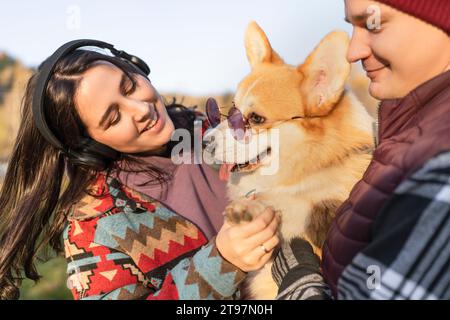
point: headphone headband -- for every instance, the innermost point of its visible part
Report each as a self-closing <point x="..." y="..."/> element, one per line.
<point x="45" y="73"/>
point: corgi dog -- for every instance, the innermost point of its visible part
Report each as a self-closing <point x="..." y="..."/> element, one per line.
<point x="307" y="140"/>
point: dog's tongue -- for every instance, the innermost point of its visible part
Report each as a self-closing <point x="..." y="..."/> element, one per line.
<point x="225" y="171"/>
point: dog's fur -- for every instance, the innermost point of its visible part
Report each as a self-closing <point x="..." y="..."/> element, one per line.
<point x="320" y="159"/>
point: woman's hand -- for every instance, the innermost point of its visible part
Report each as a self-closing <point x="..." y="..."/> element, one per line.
<point x="249" y="245"/>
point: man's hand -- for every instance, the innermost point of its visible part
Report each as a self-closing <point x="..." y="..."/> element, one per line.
<point x="293" y="255"/>
<point x="296" y="270"/>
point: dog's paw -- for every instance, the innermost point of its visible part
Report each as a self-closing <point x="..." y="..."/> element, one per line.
<point x="243" y="210"/>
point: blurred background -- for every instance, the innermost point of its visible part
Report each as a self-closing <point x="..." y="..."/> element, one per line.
<point x="194" y="48"/>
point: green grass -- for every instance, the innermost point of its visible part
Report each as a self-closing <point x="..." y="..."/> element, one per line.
<point x="52" y="285"/>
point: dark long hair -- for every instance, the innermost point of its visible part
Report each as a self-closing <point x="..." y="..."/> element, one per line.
<point x="41" y="184"/>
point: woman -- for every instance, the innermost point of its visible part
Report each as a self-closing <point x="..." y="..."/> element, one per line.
<point x="129" y="228"/>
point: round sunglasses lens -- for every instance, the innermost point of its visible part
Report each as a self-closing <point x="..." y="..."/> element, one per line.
<point x="236" y="123"/>
<point x="212" y="112"/>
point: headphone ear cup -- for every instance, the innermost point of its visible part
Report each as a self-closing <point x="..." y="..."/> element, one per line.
<point x="93" y="154"/>
<point x="87" y="160"/>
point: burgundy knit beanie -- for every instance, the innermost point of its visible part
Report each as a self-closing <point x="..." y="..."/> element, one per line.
<point x="436" y="12"/>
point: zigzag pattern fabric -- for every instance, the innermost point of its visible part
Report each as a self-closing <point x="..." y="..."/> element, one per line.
<point x="121" y="244"/>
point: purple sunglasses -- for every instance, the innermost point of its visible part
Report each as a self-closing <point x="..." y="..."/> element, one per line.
<point x="236" y="120"/>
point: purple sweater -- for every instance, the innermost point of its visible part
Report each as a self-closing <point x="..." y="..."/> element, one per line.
<point x="195" y="192"/>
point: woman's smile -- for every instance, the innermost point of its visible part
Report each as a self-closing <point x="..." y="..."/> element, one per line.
<point x="155" y="123"/>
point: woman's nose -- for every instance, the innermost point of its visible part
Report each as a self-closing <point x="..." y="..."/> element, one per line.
<point x="359" y="47"/>
<point x="140" y="109"/>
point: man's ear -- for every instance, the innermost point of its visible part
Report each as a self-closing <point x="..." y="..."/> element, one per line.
<point x="325" y="72"/>
<point x="258" y="46"/>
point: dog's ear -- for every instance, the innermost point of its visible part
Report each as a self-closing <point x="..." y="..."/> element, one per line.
<point x="258" y="46"/>
<point x="325" y="70"/>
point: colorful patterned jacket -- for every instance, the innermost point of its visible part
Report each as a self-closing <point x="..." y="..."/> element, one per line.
<point x="125" y="245"/>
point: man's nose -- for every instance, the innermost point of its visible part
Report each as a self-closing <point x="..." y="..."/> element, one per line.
<point x="359" y="47"/>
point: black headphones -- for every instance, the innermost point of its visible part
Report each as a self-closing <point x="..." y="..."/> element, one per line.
<point x="90" y="152"/>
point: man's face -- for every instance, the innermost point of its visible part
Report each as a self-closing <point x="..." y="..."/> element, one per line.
<point x="398" y="51"/>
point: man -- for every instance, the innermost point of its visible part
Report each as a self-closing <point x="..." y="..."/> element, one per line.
<point x="391" y="238"/>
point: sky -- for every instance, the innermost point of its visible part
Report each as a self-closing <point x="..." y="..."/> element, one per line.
<point x="193" y="47"/>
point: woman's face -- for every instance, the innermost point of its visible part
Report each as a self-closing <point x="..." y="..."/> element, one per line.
<point x="129" y="121"/>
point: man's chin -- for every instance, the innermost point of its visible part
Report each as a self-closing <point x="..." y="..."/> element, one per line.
<point x="374" y="90"/>
<point x="381" y="91"/>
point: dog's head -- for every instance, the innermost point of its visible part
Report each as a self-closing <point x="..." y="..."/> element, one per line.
<point x="286" y="108"/>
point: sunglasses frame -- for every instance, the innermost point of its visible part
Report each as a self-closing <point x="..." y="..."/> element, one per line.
<point x="234" y="112"/>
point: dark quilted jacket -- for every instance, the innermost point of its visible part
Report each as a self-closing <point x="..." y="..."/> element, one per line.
<point x="411" y="131"/>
